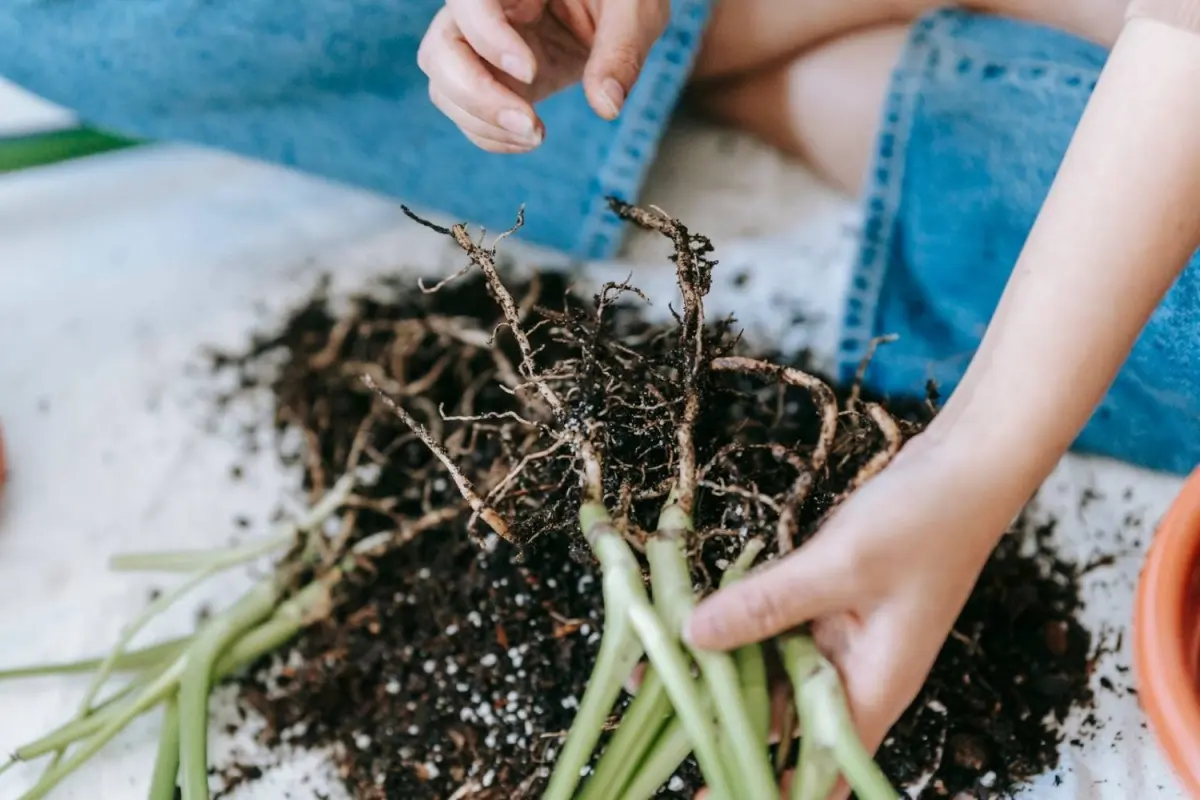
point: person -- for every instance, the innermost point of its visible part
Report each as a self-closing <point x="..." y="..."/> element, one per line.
<point x="1031" y="181"/>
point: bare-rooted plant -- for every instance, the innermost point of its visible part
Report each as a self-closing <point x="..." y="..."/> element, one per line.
<point x="612" y="433"/>
<point x="724" y="715"/>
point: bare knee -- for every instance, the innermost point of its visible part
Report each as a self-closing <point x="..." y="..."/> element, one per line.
<point x="823" y="106"/>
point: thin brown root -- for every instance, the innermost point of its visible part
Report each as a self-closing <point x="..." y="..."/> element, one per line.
<point x="788" y="526"/>
<point x="520" y="223"/>
<point x="530" y="300"/>
<point x="393" y="387"/>
<point x="892" y="440"/>
<point x="825" y="399"/>
<point x="359" y="444"/>
<point x="693" y="273"/>
<point x="338" y="546"/>
<point x="325" y="357"/>
<point x="312" y="460"/>
<point x="861" y="373"/>
<point x="612" y="291"/>
<point x="512" y="416"/>
<point x="826" y="403"/>
<point x="498" y="491"/>
<point x="380" y="543"/>
<point x="425" y="382"/>
<point x="485" y="512"/>
<point x="721" y="489"/>
<point x="444" y="282"/>
<point x="485" y="259"/>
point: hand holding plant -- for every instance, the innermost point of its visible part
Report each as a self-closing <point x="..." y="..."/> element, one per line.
<point x="881" y="583"/>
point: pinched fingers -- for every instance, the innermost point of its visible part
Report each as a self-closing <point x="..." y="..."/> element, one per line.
<point x="465" y="89"/>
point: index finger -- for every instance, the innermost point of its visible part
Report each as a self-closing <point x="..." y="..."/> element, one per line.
<point x="491" y="34"/>
<point x="807" y="584"/>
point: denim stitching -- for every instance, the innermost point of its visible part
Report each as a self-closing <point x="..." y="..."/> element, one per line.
<point x="882" y="201"/>
<point x="642" y="125"/>
<point x="1019" y="71"/>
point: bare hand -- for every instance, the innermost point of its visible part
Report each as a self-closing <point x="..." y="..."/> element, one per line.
<point x="489" y="61"/>
<point x="881" y="583"/>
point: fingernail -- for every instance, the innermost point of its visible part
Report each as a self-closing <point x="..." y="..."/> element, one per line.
<point x="614" y="93"/>
<point x="518" y="67"/>
<point x="517" y="123"/>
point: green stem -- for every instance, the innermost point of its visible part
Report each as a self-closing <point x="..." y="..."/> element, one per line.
<point x="78" y="729"/>
<point x="756" y="688"/>
<point x="825" y="719"/>
<point x="154" y="609"/>
<point x="206" y="561"/>
<point x="310" y="603"/>
<point x="196" y="681"/>
<point x="738" y="569"/>
<point x="816" y="771"/>
<point x="623" y="579"/>
<point x="619" y="654"/>
<point x="816" y="767"/>
<point x="226" y="557"/>
<point x="667" y="753"/>
<point x="306" y="606"/>
<point x="51" y="147"/>
<point x="131" y="660"/>
<point x="751" y="664"/>
<point x="114" y="722"/>
<point x="746" y="755"/>
<point x="640" y="724"/>
<point x="669" y="659"/>
<point x="164" y="781"/>
<point x="106" y="668"/>
<point x="829" y="710"/>
<point x="65" y="735"/>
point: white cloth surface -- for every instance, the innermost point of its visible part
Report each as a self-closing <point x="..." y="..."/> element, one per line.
<point x="116" y="273"/>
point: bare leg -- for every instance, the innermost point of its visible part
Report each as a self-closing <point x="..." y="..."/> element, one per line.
<point x="808" y="77"/>
<point x="745" y="35"/>
<point x="823" y="106"/>
<point x="1097" y="20"/>
<point x="811" y="77"/>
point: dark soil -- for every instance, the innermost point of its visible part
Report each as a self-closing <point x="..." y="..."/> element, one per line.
<point x="1016" y="664"/>
<point x="457" y="659"/>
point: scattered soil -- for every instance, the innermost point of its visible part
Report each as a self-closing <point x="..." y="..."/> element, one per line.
<point x="1015" y="665"/>
<point x="452" y="664"/>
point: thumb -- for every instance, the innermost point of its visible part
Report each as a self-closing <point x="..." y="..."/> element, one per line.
<point x="805" y="585"/>
<point x="626" y="31"/>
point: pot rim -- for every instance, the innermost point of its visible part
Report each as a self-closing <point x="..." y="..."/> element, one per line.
<point x="1168" y="688"/>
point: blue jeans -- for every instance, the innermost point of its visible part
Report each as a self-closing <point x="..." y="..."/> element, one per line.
<point x="331" y="87"/>
<point x="979" y="115"/>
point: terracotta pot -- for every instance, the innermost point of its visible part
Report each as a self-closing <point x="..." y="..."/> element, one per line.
<point x="1166" y="633"/>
